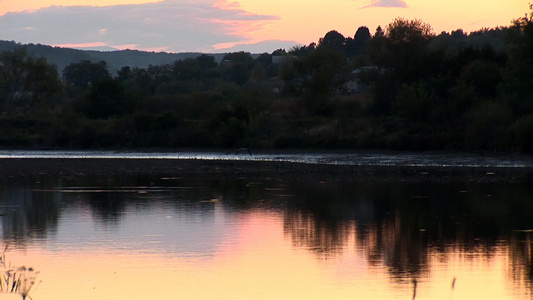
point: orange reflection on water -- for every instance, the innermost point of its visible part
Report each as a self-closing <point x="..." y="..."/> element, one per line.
<point x="260" y="261"/>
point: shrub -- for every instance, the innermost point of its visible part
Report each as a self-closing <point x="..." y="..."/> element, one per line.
<point x="521" y="134"/>
<point x="486" y="123"/>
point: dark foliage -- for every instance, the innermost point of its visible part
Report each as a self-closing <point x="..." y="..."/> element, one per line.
<point x="404" y="88"/>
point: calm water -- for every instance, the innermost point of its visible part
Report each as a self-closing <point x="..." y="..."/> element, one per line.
<point x="143" y="237"/>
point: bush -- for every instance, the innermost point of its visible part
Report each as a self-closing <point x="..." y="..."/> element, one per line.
<point x="231" y="132"/>
<point x="486" y="125"/>
<point x="521" y="134"/>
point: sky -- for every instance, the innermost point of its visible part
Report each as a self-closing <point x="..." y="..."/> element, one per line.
<point x="224" y="26"/>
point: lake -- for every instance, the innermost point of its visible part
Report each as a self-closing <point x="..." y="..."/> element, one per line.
<point x="147" y="236"/>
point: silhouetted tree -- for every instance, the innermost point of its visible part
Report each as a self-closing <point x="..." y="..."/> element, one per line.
<point x="85" y="72"/>
<point x="26" y="81"/>
<point x="402" y="31"/>
<point x="356" y="45"/>
<point x="301" y="51"/>
<point x="362" y="35"/>
<point x="206" y="62"/>
<point x="458" y="34"/>
<point x="324" y="66"/>
<point x="334" y="40"/>
<point x="240" y="66"/>
<point x="243" y="58"/>
<point x="519" y="70"/>
<point x="125" y="73"/>
<point x="106" y="99"/>
<point x="483" y="77"/>
<point x="239" y="73"/>
<point x="147" y="80"/>
<point x="264" y="59"/>
<point x="185" y="69"/>
<point x="407" y="41"/>
<point x="279" y="52"/>
<point x="379" y="32"/>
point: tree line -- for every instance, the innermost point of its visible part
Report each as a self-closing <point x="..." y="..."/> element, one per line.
<point x="402" y="87"/>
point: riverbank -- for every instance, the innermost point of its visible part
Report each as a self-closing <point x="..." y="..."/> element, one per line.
<point x="200" y="169"/>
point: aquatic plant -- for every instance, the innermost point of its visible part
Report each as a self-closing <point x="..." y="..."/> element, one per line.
<point x="16" y="280"/>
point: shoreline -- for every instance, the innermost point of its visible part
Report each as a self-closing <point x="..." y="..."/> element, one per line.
<point x="200" y="169"/>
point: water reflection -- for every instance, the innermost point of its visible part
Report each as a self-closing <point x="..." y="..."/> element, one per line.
<point x="27" y="215"/>
<point x="432" y="233"/>
<point x="405" y="226"/>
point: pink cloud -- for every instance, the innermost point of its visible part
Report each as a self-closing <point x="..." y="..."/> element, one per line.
<point x="170" y="25"/>
<point x="82" y="45"/>
<point x="387" y="3"/>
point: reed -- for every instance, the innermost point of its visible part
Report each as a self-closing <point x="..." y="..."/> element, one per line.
<point x="16" y="280"/>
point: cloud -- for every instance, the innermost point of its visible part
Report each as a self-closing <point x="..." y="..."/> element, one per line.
<point x="171" y="25"/>
<point x="387" y="3"/>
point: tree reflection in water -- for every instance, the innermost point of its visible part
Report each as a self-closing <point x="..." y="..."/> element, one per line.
<point x="521" y="258"/>
<point x="402" y="225"/>
<point x="322" y="237"/>
<point x="26" y="213"/>
<point x="397" y="225"/>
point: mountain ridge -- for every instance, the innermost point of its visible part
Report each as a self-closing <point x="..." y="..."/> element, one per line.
<point x="62" y="57"/>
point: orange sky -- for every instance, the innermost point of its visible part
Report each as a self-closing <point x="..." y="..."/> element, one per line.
<point x="346" y="16"/>
<point x="258" y="263"/>
<point x="300" y="21"/>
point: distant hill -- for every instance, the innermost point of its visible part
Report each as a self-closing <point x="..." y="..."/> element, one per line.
<point x="62" y="57"/>
<point x="257" y="47"/>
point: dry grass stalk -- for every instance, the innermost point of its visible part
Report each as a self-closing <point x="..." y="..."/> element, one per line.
<point x="16" y="280"/>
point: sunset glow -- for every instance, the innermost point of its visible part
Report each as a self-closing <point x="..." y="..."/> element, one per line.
<point x="159" y="237"/>
<point x="257" y="263"/>
<point x="307" y="21"/>
<point x="214" y="24"/>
